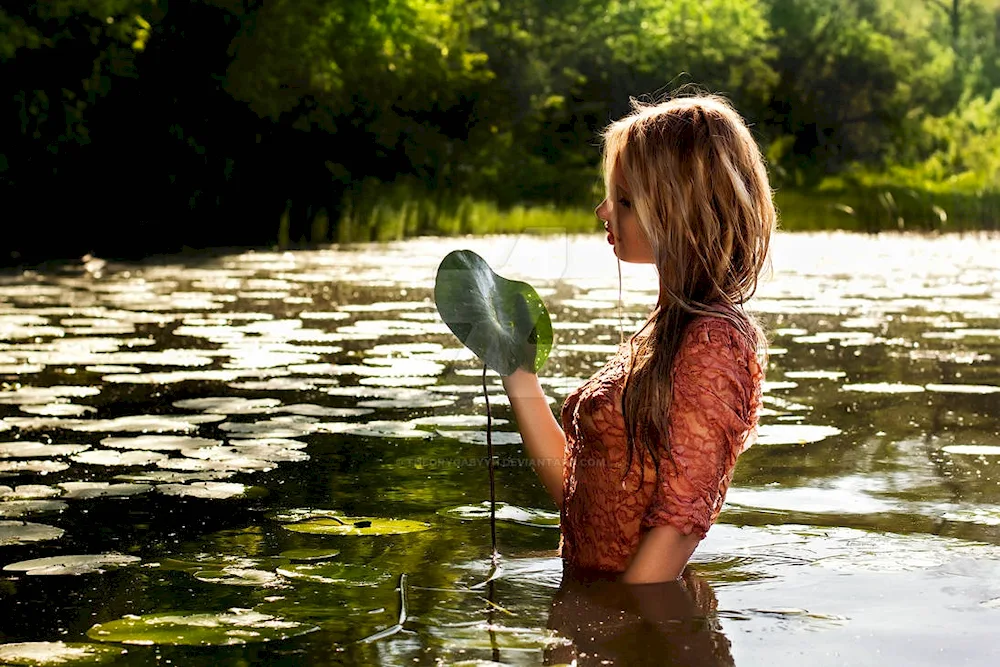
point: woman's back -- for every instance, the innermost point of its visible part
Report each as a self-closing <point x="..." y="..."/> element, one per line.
<point x="715" y="399"/>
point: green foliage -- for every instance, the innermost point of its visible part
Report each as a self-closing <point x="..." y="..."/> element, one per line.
<point x="311" y="121"/>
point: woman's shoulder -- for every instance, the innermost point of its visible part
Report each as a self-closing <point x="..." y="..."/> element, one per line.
<point x="728" y="328"/>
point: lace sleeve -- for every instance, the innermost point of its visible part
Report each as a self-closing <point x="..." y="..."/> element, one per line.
<point x="713" y="413"/>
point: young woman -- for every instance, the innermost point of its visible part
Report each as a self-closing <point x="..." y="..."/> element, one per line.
<point x="646" y="450"/>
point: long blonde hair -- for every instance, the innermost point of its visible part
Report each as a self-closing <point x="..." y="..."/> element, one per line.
<point x="701" y="195"/>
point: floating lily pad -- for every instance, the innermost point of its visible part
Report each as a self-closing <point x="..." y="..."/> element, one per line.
<point x="230" y="405"/>
<point x="503" y="321"/>
<point x="233" y="576"/>
<point x="43" y="654"/>
<point x="228" y="465"/>
<point x="84" y="490"/>
<point x="208" y="490"/>
<point x="794" y="434"/>
<point x="429" y="401"/>
<point x="309" y="410"/>
<point x="239" y="626"/>
<point x="479" y="437"/>
<point x="963" y="388"/>
<point x="377" y="429"/>
<point x="239" y="451"/>
<point x="159" y="442"/>
<point x="972" y="450"/>
<point x="527" y="516"/>
<point x="22" y="532"/>
<point x="815" y="375"/>
<point x="988" y="516"/>
<point x="334" y="573"/>
<point x="42" y="467"/>
<point x="486" y="636"/>
<point x="172" y="477"/>
<point x="29" y="492"/>
<point x="333" y="524"/>
<point x="291" y="426"/>
<point x="310" y="555"/>
<point x="16" y="508"/>
<point x="59" y="565"/>
<point x="110" y="457"/>
<point x="402" y="381"/>
<point x="884" y="388"/>
<point x="276" y="384"/>
<point x="58" y="410"/>
<point x="45" y="395"/>
<point x="456" y="421"/>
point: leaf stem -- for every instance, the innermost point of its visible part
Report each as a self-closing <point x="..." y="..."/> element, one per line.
<point x="489" y="453"/>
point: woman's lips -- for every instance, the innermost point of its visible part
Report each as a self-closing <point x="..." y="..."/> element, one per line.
<point x="611" y="238"/>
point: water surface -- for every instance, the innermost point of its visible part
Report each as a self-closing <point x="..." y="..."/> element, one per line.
<point x="190" y="426"/>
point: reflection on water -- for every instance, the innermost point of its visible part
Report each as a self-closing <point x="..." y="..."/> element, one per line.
<point x="653" y="624"/>
<point x="220" y="439"/>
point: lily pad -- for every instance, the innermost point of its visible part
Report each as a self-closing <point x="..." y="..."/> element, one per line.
<point x="794" y="434"/>
<point x="208" y="490"/>
<point x="42" y="467"/>
<point x="17" y="508"/>
<point x="233" y="576"/>
<point x="22" y="449"/>
<point x="83" y="490"/>
<point x="176" y="477"/>
<point x="310" y="555"/>
<point x="230" y="405"/>
<point x="883" y="388"/>
<point x="71" y="564"/>
<point x="110" y="457"/>
<point x="356" y="525"/>
<point x="334" y="573"/>
<point x="22" y="532"/>
<point x="504" y="322"/>
<point x="159" y="442"/>
<point x="377" y="429"/>
<point x="239" y="452"/>
<point x="479" y="437"/>
<point x="238" y="626"/>
<point x="29" y="492"/>
<point x="973" y="450"/>
<point x="43" y="654"/>
<point x="527" y="516"/>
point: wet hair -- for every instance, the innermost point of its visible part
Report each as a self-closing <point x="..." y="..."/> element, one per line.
<point x="700" y="193"/>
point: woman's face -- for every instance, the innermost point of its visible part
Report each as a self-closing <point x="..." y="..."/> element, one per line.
<point x="624" y="233"/>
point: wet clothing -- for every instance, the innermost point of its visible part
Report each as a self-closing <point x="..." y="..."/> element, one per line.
<point x="713" y="414"/>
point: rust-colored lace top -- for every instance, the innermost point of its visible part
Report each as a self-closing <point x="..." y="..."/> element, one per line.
<point x="715" y="400"/>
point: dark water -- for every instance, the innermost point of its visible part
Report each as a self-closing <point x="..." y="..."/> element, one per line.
<point x="197" y="415"/>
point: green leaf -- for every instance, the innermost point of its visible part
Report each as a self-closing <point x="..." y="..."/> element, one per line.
<point x="232" y="576"/>
<point x="21" y="532"/>
<point x="504" y="322"/>
<point x="334" y="573"/>
<point x="70" y="564"/>
<point x="526" y="516"/>
<point x="41" y="654"/>
<point x="357" y="525"/>
<point x="310" y="555"/>
<point x="239" y="626"/>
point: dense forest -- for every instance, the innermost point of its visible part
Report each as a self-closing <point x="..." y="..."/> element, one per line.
<point x="139" y="126"/>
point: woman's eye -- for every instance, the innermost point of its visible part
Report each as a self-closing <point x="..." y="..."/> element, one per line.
<point x="625" y="202"/>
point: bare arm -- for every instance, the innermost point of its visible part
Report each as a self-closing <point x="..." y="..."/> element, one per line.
<point x="662" y="554"/>
<point x="543" y="437"/>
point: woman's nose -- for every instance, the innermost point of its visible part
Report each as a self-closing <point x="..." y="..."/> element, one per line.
<point x="601" y="210"/>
